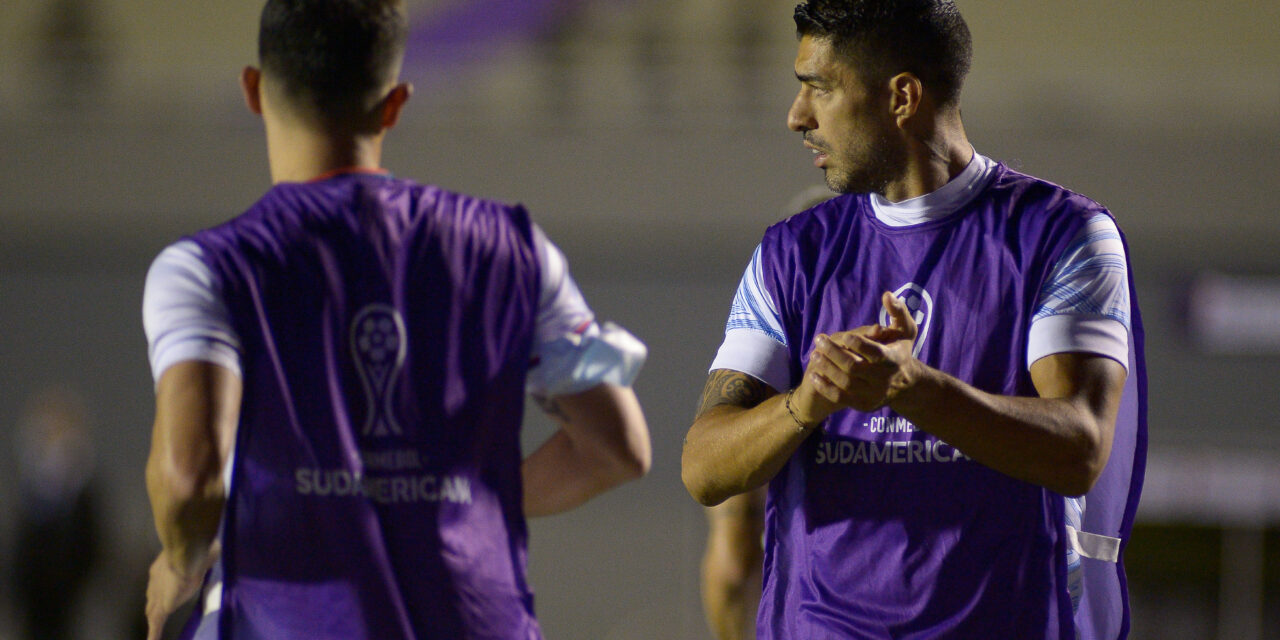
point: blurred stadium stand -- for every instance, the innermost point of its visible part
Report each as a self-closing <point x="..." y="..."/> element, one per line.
<point x="648" y="138"/>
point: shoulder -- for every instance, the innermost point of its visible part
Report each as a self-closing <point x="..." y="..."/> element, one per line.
<point x="471" y="214"/>
<point x="449" y="201"/>
<point x="181" y="260"/>
<point x="813" y="227"/>
<point x="822" y="215"/>
<point x="268" y="216"/>
<point x="1030" y="196"/>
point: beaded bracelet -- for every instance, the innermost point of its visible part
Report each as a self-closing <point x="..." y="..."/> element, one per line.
<point x="787" y="402"/>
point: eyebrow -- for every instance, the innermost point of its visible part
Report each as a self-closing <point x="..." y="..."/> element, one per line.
<point x="812" y="78"/>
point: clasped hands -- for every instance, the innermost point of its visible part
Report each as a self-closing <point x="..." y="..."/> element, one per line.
<point x="863" y="368"/>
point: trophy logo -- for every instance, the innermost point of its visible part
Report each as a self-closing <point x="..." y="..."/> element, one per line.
<point x="378" y="345"/>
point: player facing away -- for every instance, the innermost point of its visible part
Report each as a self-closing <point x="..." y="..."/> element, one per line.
<point x="938" y="375"/>
<point x="341" y="373"/>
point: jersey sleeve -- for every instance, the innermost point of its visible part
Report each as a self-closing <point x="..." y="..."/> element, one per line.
<point x="1084" y="304"/>
<point x="754" y="342"/>
<point x="572" y="352"/>
<point x="184" y="317"/>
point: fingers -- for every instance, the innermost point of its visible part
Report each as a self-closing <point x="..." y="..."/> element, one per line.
<point x="855" y="394"/>
<point x="845" y="359"/>
<point x="823" y="387"/>
<point x="834" y="370"/>
<point x="837" y="350"/>
<point x="827" y="370"/>
<point x="861" y="349"/>
<point x="854" y="368"/>
<point x="900" y="317"/>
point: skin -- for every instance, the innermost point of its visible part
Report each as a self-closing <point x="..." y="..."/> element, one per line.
<point x="889" y="138"/>
<point x="197" y="408"/>
<point x="744" y="433"/>
<point x="603" y="441"/>
<point x="731" y="565"/>
<point x="603" y="438"/>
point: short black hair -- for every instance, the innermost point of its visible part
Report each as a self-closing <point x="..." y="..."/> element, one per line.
<point x="882" y="38"/>
<point x="333" y="57"/>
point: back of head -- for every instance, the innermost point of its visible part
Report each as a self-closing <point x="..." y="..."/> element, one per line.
<point x="333" y="59"/>
<point x="881" y="38"/>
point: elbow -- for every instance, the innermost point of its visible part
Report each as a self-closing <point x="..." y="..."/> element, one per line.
<point x="643" y="463"/>
<point x="707" y="496"/>
<point x="176" y="491"/>
<point x="698" y="485"/>
<point x="701" y="494"/>
<point x="629" y="454"/>
<point x="1084" y="468"/>
<point x="702" y="480"/>
<point x="628" y="462"/>
<point x="167" y="485"/>
<point x="634" y="465"/>
<point x="1080" y="479"/>
<point x="1074" y="486"/>
<point x="638" y="459"/>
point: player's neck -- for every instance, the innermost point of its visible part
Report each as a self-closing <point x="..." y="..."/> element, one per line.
<point x="299" y="154"/>
<point x="932" y="163"/>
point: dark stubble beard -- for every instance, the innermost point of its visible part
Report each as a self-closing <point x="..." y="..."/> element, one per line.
<point x="870" y="168"/>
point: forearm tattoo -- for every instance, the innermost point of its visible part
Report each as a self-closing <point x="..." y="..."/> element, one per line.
<point x="732" y="387"/>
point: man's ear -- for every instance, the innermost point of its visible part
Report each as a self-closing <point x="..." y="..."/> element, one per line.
<point x="251" y="85"/>
<point x="905" y="96"/>
<point x="394" y="102"/>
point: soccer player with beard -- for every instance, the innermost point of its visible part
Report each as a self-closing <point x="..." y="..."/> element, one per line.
<point x="938" y="376"/>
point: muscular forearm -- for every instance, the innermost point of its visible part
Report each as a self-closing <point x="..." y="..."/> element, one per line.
<point x="1058" y="443"/>
<point x="731" y="450"/>
<point x="1059" y="440"/>
<point x="560" y="476"/>
<point x="187" y="513"/>
<point x="197" y="409"/>
<point x="603" y="441"/>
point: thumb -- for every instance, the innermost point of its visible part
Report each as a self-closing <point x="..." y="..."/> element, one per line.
<point x="900" y="317"/>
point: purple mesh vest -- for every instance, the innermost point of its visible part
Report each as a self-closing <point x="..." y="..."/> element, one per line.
<point x="386" y="330"/>
<point x="876" y="529"/>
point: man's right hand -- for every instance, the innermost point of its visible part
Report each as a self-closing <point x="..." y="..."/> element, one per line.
<point x="859" y="368"/>
<point x="168" y="589"/>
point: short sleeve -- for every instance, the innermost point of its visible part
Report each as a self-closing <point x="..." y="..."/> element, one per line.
<point x="1084" y="304"/>
<point x="572" y="352"/>
<point x="754" y="342"/>
<point x="184" y="317"/>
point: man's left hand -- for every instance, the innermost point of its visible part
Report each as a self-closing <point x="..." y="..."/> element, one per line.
<point x="885" y="363"/>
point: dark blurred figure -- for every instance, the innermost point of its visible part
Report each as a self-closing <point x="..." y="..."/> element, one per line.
<point x="73" y="54"/>
<point x="57" y="539"/>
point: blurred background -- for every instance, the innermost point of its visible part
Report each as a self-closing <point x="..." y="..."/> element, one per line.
<point x="648" y="139"/>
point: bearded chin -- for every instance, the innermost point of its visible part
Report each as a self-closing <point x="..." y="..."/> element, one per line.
<point x="861" y="182"/>
<point x="872" y="170"/>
